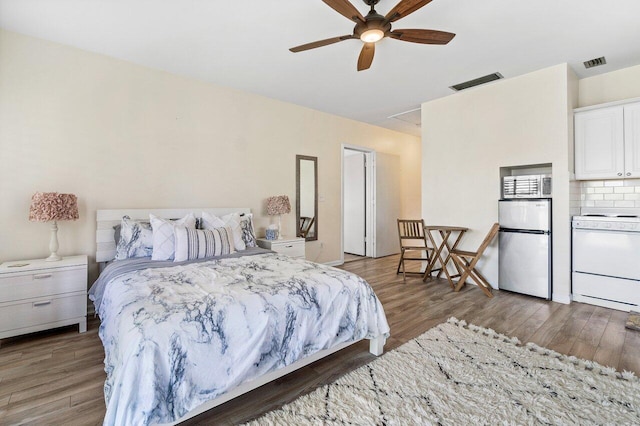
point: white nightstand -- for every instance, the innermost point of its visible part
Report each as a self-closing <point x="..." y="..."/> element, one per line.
<point x="293" y="247"/>
<point x="38" y="295"/>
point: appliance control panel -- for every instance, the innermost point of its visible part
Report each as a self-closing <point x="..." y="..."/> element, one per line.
<point x="606" y="224"/>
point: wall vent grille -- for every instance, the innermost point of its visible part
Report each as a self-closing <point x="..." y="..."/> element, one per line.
<point x="476" y="82"/>
<point x="595" y="62"/>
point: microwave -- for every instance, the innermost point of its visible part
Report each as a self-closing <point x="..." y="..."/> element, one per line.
<point x="527" y="186"/>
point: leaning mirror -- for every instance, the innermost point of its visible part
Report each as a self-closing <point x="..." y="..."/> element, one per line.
<point x="307" y="197"/>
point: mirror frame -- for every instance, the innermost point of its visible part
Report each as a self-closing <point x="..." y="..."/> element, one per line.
<point x="315" y="207"/>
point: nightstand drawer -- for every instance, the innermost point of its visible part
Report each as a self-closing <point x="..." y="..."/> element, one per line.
<point x="42" y="283"/>
<point x="42" y="311"/>
<point x="293" y="249"/>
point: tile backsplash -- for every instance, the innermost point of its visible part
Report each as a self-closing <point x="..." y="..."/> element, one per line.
<point x="622" y="195"/>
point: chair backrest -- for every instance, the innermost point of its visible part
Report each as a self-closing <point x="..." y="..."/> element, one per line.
<point x="488" y="238"/>
<point x="305" y="225"/>
<point x="411" y="230"/>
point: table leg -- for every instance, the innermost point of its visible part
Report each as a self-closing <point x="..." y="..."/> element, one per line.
<point x="449" y="248"/>
<point x="436" y="255"/>
<point x="445" y="235"/>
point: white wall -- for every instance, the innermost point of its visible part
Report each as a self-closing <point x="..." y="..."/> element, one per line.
<point x="387" y="202"/>
<point x="468" y="136"/>
<point x="120" y="135"/>
<point x="609" y="87"/>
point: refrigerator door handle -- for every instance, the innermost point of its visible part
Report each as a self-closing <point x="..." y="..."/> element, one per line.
<point x="525" y="231"/>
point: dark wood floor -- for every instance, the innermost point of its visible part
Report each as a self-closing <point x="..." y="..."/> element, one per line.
<point x="348" y="257"/>
<point x="56" y="377"/>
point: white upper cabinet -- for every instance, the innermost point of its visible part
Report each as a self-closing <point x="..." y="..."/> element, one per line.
<point x="632" y="140"/>
<point x="607" y="142"/>
<point x="599" y="148"/>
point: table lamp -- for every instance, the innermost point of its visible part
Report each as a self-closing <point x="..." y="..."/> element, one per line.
<point x="278" y="205"/>
<point x="52" y="207"/>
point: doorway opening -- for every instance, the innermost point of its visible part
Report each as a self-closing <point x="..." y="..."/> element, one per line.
<point x="358" y="208"/>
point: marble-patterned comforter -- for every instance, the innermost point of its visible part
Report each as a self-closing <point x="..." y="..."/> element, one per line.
<point x="176" y="337"/>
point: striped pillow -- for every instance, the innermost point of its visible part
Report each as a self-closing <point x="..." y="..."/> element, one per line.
<point x="202" y="243"/>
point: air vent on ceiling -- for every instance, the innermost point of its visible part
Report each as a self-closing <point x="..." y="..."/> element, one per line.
<point x="476" y="82"/>
<point x="595" y="62"/>
<point x="412" y="116"/>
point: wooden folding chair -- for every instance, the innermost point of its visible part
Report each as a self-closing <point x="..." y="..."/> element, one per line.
<point x="467" y="261"/>
<point x="305" y="225"/>
<point x="412" y="239"/>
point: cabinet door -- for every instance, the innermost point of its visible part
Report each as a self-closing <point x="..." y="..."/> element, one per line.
<point x="632" y="141"/>
<point x="599" y="143"/>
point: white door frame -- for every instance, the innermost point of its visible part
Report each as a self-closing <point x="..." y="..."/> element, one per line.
<point x="370" y="158"/>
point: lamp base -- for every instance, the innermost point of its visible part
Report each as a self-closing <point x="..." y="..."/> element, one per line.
<point x="53" y="244"/>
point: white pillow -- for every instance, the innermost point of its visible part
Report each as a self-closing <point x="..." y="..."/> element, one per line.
<point x="202" y="243"/>
<point x="231" y="220"/>
<point x="164" y="244"/>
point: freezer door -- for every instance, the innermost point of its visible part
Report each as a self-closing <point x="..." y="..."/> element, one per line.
<point x="525" y="214"/>
<point x="525" y="263"/>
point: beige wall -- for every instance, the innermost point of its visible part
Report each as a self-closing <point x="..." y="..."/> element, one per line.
<point x="609" y="87"/>
<point x="120" y="135"/>
<point x="468" y="136"/>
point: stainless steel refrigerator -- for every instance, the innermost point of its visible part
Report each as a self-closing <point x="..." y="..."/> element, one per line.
<point x="525" y="246"/>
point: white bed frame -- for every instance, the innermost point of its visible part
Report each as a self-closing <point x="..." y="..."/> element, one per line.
<point x="106" y="251"/>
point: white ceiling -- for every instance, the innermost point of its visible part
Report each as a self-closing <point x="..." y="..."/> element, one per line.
<point x="244" y="44"/>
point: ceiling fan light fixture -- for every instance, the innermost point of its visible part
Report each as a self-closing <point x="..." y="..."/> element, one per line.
<point x="372" y="35"/>
<point x="374" y="27"/>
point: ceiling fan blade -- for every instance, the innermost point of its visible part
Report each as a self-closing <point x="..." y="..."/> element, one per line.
<point x="404" y="8"/>
<point x="346" y="9"/>
<point x="422" y="36"/>
<point x="320" y="43"/>
<point x="366" y="56"/>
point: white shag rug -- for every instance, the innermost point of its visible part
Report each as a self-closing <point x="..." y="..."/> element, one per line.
<point x="461" y="374"/>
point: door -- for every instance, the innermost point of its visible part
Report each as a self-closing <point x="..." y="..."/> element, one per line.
<point x="599" y="143"/>
<point x="387" y="203"/>
<point x="354" y="202"/>
<point x="525" y="214"/>
<point x="632" y="140"/>
<point x="607" y="253"/>
<point x="525" y="263"/>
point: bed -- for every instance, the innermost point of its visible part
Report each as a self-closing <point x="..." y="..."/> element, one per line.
<point x="183" y="337"/>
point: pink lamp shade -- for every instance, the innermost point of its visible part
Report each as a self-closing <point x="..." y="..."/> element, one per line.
<point x="51" y="207"/>
<point x="47" y="206"/>
<point x="278" y="205"/>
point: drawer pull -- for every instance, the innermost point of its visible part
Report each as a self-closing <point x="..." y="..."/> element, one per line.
<point x="288" y="246"/>
<point x="44" y="303"/>
<point x="41" y="276"/>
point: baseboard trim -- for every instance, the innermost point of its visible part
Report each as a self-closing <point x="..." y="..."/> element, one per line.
<point x="334" y="263"/>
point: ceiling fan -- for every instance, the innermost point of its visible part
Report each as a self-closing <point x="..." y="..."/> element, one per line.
<point x="374" y="27"/>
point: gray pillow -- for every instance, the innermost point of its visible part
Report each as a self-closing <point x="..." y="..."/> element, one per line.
<point x="116" y="233"/>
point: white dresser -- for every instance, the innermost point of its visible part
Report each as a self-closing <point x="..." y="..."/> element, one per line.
<point x="293" y="247"/>
<point x="38" y="295"/>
